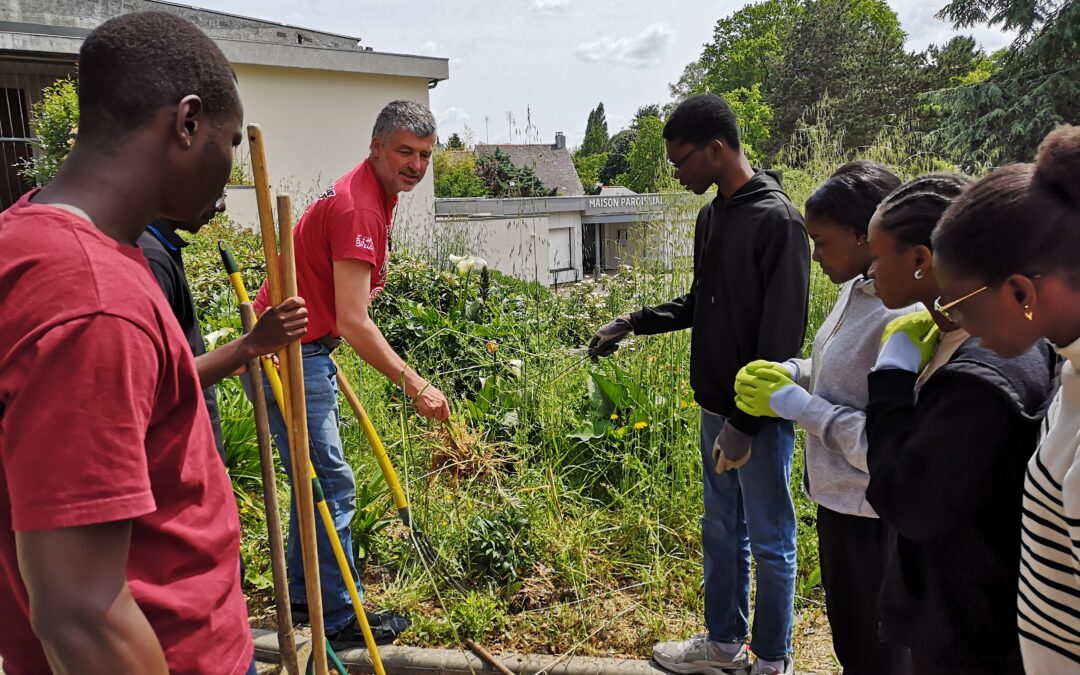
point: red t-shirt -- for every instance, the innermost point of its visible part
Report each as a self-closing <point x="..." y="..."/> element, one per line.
<point x="352" y="220"/>
<point x="102" y="419"/>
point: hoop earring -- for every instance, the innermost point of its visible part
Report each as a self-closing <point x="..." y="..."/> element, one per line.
<point x="919" y="275"/>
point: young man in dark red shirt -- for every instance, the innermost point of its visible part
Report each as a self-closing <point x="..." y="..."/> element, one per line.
<point x="118" y="529"/>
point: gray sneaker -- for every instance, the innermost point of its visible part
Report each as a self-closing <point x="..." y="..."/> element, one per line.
<point x="758" y="669"/>
<point x="699" y="654"/>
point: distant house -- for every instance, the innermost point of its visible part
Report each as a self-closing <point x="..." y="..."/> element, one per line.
<point x="316" y="94"/>
<point x="553" y="164"/>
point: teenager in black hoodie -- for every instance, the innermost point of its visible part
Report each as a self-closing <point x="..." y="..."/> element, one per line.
<point x="950" y="427"/>
<point x="747" y="301"/>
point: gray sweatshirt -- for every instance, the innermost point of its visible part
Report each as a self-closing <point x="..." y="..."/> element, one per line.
<point x="845" y="349"/>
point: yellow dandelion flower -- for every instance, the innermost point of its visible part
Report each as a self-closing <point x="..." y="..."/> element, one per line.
<point x="614" y="417"/>
<point x="492" y="346"/>
<point x="640" y="425"/>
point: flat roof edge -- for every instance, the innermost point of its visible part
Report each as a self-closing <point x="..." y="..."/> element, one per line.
<point x="264" y="54"/>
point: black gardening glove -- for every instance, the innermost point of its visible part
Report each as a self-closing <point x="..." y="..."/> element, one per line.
<point x="606" y="340"/>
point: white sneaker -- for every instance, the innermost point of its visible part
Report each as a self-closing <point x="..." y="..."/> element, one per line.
<point x="758" y="669"/>
<point x="699" y="654"/>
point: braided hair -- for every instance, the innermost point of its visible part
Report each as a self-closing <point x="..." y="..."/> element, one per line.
<point x="1020" y="218"/>
<point x="912" y="210"/>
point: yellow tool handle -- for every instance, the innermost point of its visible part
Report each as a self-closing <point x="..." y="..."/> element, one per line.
<point x="373" y="439"/>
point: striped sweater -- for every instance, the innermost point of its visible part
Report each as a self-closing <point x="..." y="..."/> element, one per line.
<point x="1049" y="595"/>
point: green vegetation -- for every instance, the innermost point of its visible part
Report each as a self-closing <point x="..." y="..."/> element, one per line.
<point x="566" y="494"/>
<point x="54" y="121"/>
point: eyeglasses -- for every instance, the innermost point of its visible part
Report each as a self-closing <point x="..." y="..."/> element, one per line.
<point x="949" y="310"/>
<point x="677" y="164"/>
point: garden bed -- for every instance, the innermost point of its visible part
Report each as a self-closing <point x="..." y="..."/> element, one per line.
<point x="567" y="494"/>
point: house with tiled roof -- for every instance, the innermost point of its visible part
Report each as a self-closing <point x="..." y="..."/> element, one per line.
<point x="553" y="164"/>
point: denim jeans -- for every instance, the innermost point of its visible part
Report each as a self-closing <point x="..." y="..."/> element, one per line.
<point x="749" y="511"/>
<point x="338" y="484"/>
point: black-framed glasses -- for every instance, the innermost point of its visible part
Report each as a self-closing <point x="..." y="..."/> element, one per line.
<point x="677" y="164"/>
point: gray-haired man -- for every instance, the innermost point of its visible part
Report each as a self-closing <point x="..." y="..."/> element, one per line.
<point x="342" y="248"/>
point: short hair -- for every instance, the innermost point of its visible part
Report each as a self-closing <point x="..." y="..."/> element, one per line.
<point x="408" y="115"/>
<point x="912" y="210"/>
<point x="852" y="193"/>
<point x="1020" y="218"/>
<point x="133" y="65"/>
<point x="702" y="118"/>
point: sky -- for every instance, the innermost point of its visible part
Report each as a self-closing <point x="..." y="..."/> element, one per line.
<point x="522" y="70"/>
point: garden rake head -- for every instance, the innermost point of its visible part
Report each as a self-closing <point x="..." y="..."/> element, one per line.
<point x="420" y="540"/>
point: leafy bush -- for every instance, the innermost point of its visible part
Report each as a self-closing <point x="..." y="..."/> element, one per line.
<point x="54" y="121"/>
<point x="455" y="174"/>
<point x="498" y="549"/>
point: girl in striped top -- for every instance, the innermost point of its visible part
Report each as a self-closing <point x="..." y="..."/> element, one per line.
<point x="1007" y="255"/>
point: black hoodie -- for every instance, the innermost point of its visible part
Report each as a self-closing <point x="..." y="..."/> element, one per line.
<point x="748" y="297"/>
<point x="947" y="477"/>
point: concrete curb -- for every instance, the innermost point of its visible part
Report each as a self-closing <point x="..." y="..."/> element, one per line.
<point x="420" y="661"/>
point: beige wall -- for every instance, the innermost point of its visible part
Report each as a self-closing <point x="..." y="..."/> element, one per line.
<point x="317" y="126"/>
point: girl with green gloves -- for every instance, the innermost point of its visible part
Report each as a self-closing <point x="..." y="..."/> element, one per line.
<point x="826" y="395"/>
<point x="950" y="427"/>
<point x="1008" y="258"/>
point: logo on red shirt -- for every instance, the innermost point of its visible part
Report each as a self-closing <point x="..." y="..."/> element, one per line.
<point x="365" y="242"/>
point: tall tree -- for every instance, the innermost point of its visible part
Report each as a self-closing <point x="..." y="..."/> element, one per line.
<point x="455" y="142"/>
<point x="852" y="50"/>
<point x="1035" y="88"/>
<point x="647" y="166"/>
<point x="617" y="158"/>
<point x="596" y="133"/>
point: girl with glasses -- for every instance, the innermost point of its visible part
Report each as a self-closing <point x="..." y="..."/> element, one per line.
<point x="1009" y="264"/>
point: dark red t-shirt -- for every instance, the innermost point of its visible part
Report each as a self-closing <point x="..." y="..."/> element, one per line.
<point x="352" y="220"/>
<point x="102" y="419"/>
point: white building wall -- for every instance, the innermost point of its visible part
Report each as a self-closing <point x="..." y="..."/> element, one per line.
<point x="317" y="126"/>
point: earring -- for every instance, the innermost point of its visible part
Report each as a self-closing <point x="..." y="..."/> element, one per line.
<point x="1028" y="314"/>
<point x="919" y="275"/>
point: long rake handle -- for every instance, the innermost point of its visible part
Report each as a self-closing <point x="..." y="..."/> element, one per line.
<point x="300" y="446"/>
<point x="376" y="443"/>
<point x="286" y="635"/>
<point x="318" y="496"/>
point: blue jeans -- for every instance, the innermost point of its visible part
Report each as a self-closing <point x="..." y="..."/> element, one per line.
<point x="338" y="484"/>
<point x="749" y="510"/>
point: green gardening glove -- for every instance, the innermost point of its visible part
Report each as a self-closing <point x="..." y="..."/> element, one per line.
<point x="908" y="343"/>
<point x="765" y="389"/>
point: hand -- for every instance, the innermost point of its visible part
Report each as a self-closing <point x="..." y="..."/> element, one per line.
<point x="731" y="449"/>
<point x="431" y="403"/>
<point x="606" y="340"/>
<point x="908" y="343"/>
<point x="766" y="389"/>
<point x="277" y="327"/>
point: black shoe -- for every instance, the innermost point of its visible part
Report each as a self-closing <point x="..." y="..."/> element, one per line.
<point x="385" y="628"/>
<point x="299" y="612"/>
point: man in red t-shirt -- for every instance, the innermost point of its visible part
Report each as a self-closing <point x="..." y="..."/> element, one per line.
<point x="119" y="539"/>
<point x="342" y="248"/>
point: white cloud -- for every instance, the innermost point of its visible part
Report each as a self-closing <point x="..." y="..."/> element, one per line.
<point x="452" y="116"/>
<point x="429" y="49"/>
<point x="645" y="49"/>
<point x="549" y="6"/>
